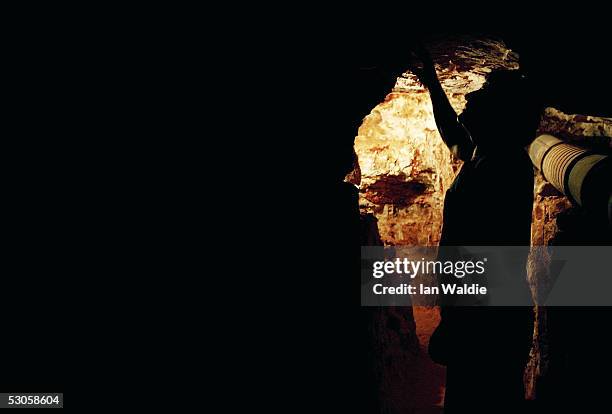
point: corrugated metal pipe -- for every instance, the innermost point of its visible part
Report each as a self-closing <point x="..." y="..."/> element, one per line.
<point x="582" y="175"/>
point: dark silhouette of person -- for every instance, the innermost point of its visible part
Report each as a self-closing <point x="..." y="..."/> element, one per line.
<point x="490" y="202"/>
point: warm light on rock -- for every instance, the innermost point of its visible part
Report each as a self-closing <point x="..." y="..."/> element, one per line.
<point x="405" y="166"/>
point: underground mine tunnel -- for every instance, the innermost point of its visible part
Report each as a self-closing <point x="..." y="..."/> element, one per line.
<point x="402" y="169"/>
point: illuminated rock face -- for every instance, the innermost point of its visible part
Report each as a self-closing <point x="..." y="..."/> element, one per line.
<point x="403" y="173"/>
<point x="405" y="166"/>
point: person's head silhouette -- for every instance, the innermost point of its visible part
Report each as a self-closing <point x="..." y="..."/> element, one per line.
<point x="504" y="113"/>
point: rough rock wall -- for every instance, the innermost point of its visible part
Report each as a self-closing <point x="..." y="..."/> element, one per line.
<point x="583" y="130"/>
<point x="405" y="168"/>
<point x="392" y="346"/>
